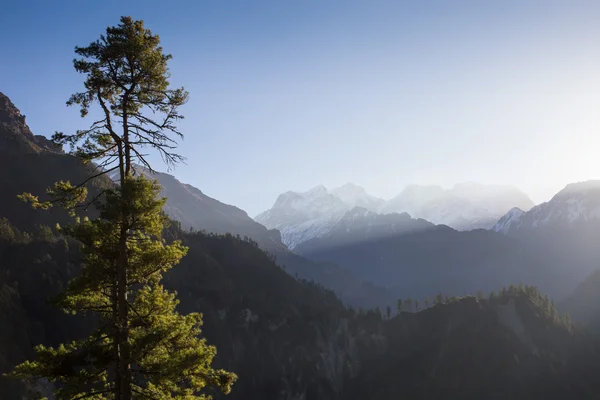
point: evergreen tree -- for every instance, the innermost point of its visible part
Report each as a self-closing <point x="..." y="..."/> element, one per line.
<point x="409" y="303"/>
<point x="426" y="302"/>
<point x="142" y="348"/>
<point x="388" y="312"/>
<point x="399" y="306"/>
<point x="417" y="305"/>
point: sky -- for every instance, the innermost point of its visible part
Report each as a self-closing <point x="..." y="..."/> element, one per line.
<point x="286" y="95"/>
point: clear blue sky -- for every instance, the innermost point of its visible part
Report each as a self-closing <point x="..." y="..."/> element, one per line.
<point x="290" y="94"/>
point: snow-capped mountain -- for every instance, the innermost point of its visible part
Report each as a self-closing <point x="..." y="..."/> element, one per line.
<point x="303" y="216"/>
<point x="466" y="206"/>
<point x="356" y="196"/>
<point x="578" y="203"/>
<point x="360" y="225"/>
<point x="312" y="214"/>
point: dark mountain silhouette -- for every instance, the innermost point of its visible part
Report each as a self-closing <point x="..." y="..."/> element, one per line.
<point x="435" y="259"/>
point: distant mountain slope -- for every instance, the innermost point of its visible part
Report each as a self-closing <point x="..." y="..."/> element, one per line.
<point x="196" y="210"/>
<point x="355" y="196"/>
<point x="360" y="225"/>
<point x="583" y="305"/>
<point x="466" y="206"/>
<point x="563" y="232"/>
<point x="577" y="204"/>
<point x="302" y="216"/>
<point x="439" y="258"/>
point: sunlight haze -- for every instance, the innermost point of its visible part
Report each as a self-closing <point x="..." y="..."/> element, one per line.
<point x="289" y="95"/>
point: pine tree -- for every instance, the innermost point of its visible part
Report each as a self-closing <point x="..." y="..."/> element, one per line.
<point x="142" y="348"/>
<point x="399" y="306"/>
<point x="417" y="305"/>
<point x="409" y="303"/>
<point x="426" y="302"/>
<point x="388" y="312"/>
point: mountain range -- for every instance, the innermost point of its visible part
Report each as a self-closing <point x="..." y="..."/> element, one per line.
<point x="301" y="216"/>
<point x="293" y="338"/>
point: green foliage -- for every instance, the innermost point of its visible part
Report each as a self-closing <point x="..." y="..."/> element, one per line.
<point x="127" y="75"/>
<point x="142" y="347"/>
<point x="544" y="307"/>
<point x="168" y="359"/>
<point x="10" y="234"/>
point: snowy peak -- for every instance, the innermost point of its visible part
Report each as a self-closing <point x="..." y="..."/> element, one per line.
<point x="356" y="196"/>
<point x="577" y="203"/>
<point x="466" y="206"/>
<point x="302" y="216"/>
<point x="316" y="192"/>
<point x="509" y="222"/>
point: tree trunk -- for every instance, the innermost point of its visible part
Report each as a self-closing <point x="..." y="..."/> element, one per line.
<point x="124" y="351"/>
<point x="117" y="370"/>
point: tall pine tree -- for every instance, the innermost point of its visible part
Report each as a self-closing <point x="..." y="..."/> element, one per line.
<point x="142" y="347"/>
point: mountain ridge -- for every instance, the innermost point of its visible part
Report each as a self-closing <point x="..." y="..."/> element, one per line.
<point x="577" y="202"/>
<point x="302" y="216"/>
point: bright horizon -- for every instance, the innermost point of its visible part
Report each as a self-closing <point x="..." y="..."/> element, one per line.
<point x="287" y="96"/>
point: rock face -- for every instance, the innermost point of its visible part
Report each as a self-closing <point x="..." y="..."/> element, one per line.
<point x="16" y="135"/>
